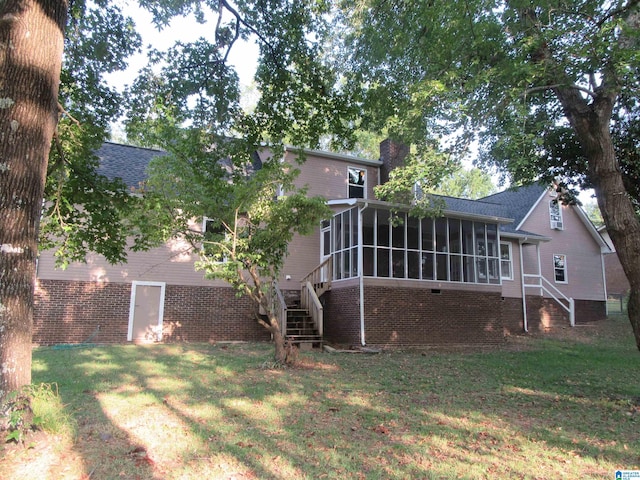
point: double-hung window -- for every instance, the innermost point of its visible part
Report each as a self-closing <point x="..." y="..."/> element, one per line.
<point x="560" y="268"/>
<point x="357" y="182"/>
<point x="506" y="265"/>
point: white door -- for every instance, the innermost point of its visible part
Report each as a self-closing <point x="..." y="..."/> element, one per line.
<point x="146" y="311"/>
<point x="325" y="246"/>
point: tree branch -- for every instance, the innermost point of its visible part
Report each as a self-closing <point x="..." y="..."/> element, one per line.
<point x="559" y="85"/>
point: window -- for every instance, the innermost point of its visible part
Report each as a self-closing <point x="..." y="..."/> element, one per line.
<point x="560" y="268"/>
<point x="444" y="249"/>
<point x="344" y="244"/>
<point x="506" y="267"/>
<point x="555" y="215"/>
<point x="212" y="230"/>
<point x="357" y="178"/>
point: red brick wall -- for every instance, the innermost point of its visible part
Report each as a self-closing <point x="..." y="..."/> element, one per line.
<point x="410" y="316"/>
<point x="70" y="312"/>
<point x="511" y="312"/>
<point x="342" y="316"/>
<point x="544" y="314"/>
<point x="209" y="314"/>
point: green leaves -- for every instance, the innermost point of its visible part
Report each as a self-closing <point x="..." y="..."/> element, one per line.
<point x="487" y="71"/>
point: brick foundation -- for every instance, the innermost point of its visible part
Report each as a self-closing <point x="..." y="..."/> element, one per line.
<point x="544" y="314"/>
<point x="74" y="312"/>
<point x="396" y="316"/>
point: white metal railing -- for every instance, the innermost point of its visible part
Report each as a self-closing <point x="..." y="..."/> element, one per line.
<point x="554" y="293"/>
<point x="310" y="302"/>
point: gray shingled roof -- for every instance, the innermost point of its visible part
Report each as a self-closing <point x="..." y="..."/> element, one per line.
<point x="130" y="164"/>
<point x="126" y="162"/>
<point x="475" y="207"/>
<point x="517" y="203"/>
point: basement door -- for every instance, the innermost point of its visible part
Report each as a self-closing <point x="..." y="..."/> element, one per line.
<point x="146" y="311"/>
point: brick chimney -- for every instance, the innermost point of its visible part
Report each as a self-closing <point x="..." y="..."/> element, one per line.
<point x="392" y="154"/>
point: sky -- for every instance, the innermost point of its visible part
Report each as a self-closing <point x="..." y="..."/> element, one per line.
<point x="243" y="55"/>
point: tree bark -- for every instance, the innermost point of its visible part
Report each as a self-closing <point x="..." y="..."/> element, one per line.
<point x="592" y="123"/>
<point x="31" y="45"/>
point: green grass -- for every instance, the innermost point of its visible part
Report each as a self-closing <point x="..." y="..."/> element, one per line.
<point x="541" y="408"/>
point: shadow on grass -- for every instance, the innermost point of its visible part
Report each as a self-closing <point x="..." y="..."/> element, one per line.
<point x="198" y="411"/>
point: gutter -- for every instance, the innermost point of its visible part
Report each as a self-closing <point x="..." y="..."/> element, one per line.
<point x="524" y="294"/>
<point x="360" y="274"/>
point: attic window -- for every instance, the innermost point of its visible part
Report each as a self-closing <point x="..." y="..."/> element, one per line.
<point x="357" y="182"/>
<point x="555" y="215"/>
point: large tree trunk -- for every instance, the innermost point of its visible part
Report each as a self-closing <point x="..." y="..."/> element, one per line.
<point x="31" y="44"/>
<point x="592" y="123"/>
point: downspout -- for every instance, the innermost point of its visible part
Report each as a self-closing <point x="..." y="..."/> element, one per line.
<point x="604" y="284"/>
<point x="360" y="274"/>
<point x="524" y="293"/>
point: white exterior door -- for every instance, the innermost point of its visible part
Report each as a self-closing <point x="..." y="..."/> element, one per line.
<point x="325" y="246"/>
<point x="146" y="312"/>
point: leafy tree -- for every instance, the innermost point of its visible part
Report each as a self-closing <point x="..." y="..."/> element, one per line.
<point x="529" y="81"/>
<point x="31" y="42"/>
<point x="192" y="85"/>
<point x="249" y="226"/>
<point x="471" y="183"/>
<point x="69" y="106"/>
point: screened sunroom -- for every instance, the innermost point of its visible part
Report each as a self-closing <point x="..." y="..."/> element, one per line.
<point x="452" y="248"/>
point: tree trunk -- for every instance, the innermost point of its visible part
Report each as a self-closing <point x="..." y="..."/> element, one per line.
<point x="31" y="44"/>
<point x="280" y="354"/>
<point x="622" y="224"/>
<point x="592" y="123"/>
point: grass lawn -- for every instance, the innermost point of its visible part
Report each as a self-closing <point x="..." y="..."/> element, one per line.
<point x="565" y="406"/>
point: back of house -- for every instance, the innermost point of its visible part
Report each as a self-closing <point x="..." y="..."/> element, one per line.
<point x="512" y="262"/>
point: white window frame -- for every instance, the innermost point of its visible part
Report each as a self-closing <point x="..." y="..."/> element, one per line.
<point x="555" y="215"/>
<point x="508" y="260"/>
<point x="563" y="268"/>
<point x="356" y="185"/>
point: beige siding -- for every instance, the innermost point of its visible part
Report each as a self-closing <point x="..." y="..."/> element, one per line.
<point x="303" y="257"/>
<point x="584" y="264"/>
<point x="328" y="176"/>
<point x="172" y="263"/>
<point x="513" y="288"/>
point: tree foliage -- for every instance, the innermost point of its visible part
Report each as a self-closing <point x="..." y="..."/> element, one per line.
<point x="185" y="101"/>
<point x="248" y="222"/>
<point x="546" y="89"/>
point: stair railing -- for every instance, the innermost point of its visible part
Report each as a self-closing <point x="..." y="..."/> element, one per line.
<point x="546" y="286"/>
<point x="310" y="302"/>
<point x="320" y="277"/>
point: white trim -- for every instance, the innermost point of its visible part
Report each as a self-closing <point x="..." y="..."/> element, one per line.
<point x="333" y="156"/>
<point x="132" y="305"/>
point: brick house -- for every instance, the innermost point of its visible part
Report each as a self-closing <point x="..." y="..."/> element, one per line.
<point x="511" y="262"/>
